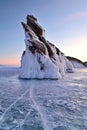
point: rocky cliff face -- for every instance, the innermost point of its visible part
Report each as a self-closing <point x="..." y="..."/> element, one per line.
<point x="41" y="59"/>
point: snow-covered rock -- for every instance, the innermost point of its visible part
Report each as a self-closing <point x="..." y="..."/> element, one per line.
<point x="85" y="63"/>
<point x="76" y="62"/>
<point x="41" y="59"/>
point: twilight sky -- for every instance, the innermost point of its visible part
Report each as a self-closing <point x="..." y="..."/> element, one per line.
<point x="65" y="22"/>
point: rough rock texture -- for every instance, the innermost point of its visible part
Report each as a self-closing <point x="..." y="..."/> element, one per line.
<point x="41" y="59"/>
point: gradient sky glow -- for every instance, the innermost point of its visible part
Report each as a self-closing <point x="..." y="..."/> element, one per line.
<point x="65" y="22"/>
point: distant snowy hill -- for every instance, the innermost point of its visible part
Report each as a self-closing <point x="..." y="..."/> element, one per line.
<point x="41" y="59"/>
<point x="76" y="62"/>
<point x="85" y="63"/>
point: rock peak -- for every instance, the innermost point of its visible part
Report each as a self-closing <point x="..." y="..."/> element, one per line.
<point x="41" y="59"/>
<point x="31" y="17"/>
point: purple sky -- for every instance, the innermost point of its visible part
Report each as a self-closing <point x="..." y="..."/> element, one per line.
<point x="65" y="22"/>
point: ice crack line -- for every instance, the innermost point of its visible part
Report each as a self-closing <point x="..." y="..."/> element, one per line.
<point x="39" y="110"/>
<point x="20" y="125"/>
<point x="12" y="105"/>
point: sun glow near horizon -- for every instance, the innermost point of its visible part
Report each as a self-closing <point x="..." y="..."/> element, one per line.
<point x="10" y="61"/>
<point x="76" y="48"/>
<point x="63" y="20"/>
<point x="70" y="47"/>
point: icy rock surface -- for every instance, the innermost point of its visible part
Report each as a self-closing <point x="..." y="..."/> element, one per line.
<point x="41" y="59"/>
<point x="76" y="62"/>
<point x="43" y="104"/>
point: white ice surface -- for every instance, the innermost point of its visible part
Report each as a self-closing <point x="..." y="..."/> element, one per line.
<point x="43" y="104"/>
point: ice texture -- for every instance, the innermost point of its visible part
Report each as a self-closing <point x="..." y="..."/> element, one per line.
<point x="43" y="104"/>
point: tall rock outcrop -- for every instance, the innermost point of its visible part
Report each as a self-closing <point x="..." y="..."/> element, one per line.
<point x="41" y="59"/>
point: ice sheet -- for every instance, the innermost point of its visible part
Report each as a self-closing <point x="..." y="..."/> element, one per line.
<point x="43" y="104"/>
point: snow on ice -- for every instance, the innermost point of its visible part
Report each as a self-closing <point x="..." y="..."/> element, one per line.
<point x="43" y="104"/>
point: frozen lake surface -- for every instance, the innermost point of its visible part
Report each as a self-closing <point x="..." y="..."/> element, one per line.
<point x="43" y="104"/>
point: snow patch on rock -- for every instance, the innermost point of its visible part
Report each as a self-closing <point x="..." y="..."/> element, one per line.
<point x="41" y="59"/>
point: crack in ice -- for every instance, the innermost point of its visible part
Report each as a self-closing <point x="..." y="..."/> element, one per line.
<point x="38" y="108"/>
<point x="20" y="125"/>
<point x="12" y="105"/>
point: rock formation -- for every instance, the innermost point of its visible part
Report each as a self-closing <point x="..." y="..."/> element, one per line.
<point x="85" y="63"/>
<point x="41" y="59"/>
<point x="76" y="62"/>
